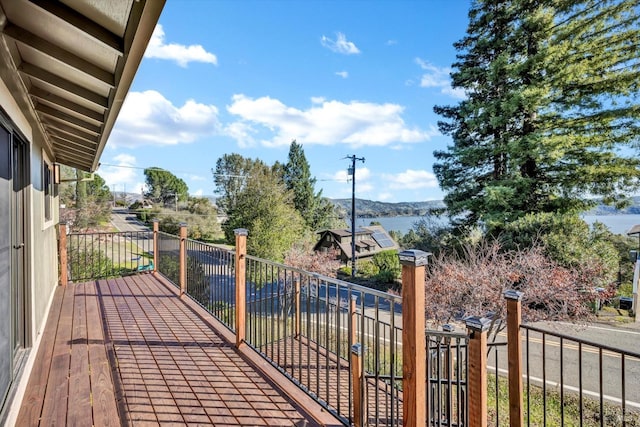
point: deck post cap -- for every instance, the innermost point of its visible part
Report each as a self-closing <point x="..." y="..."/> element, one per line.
<point x="241" y="232"/>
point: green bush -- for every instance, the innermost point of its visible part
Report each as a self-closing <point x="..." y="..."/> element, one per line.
<point x="345" y="270"/>
<point x="386" y="277"/>
<point x="90" y="264"/>
<point x="569" y="241"/>
<point x="367" y="268"/>
<point x="625" y="290"/>
<point x="388" y="261"/>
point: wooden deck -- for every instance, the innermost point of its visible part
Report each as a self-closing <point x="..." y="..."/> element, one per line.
<point x="129" y="351"/>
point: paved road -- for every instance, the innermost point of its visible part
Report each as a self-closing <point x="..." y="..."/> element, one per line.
<point x="125" y="221"/>
<point x="141" y="242"/>
<point x="602" y="371"/>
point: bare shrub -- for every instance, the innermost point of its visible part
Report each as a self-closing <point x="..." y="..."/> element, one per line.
<point x="304" y="258"/>
<point x="472" y="284"/>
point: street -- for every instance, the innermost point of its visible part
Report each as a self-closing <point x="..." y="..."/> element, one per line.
<point x="125" y="221"/>
<point x="583" y="366"/>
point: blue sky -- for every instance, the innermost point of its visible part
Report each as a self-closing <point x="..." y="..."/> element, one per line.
<point x="341" y="77"/>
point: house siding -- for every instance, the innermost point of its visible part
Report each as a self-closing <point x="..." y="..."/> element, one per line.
<point x="44" y="249"/>
<point x="40" y="272"/>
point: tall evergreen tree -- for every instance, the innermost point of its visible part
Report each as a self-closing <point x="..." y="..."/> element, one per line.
<point x="550" y="87"/>
<point x="297" y="178"/>
<point x="83" y="218"/>
<point x="317" y="211"/>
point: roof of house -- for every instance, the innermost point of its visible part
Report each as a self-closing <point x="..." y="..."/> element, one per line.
<point x="379" y="240"/>
<point x="346" y="232"/>
<point x="69" y="66"/>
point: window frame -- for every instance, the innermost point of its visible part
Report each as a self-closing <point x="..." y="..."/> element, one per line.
<point x="47" y="190"/>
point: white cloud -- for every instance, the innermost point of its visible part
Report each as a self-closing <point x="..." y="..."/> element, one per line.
<point x="242" y="133"/>
<point x="355" y="124"/>
<point x="181" y="54"/>
<point x="340" y="44"/>
<point x="391" y="42"/>
<point x="411" y="180"/>
<point x="149" y="118"/>
<point x="438" y="77"/>
<point x="196" y="178"/>
<point x="343" y="74"/>
<point x="122" y="175"/>
<point x="198" y="193"/>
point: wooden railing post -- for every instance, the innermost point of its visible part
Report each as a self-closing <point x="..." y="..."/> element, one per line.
<point x="359" y="403"/>
<point x="353" y="316"/>
<point x="156" y="228"/>
<point x="241" y="284"/>
<point x="514" y="343"/>
<point x="414" y="353"/>
<point x="357" y="370"/>
<point x="183" y="258"/>
<point x="62" y="251"/>
<point x="477" y="370"/>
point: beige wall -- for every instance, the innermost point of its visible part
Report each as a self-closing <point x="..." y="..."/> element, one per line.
<point x="42" y="263"/>
<point x="44" y="248"/>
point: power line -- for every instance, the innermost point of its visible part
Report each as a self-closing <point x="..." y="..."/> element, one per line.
<point x="166" y="170"/>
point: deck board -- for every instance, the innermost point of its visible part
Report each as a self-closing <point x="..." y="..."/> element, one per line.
<point x="103" y="392"/>
<point x="130" y="351"/>
<point x="54" y="410"/>
<point x="33" y="399"/>
<point x="79" y="411"/>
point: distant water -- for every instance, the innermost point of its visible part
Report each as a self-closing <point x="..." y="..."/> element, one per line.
<point x="618" y="224"/>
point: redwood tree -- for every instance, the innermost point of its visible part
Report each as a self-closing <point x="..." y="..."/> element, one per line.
<point x="551" y="111"/>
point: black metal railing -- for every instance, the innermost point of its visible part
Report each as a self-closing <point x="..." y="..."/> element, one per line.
<point x="447" y="367"/>
<point x="305" y="324"/>
<point x="322" y="332"/>
<point x="169" y="256"/>
<point x="211" y="279"/>
<point x="498" y="390"/>
<point x="108" y="254"/>
<point x="569" y="378"/>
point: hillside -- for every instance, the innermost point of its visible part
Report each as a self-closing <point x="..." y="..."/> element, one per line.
<point x="370" y="208"/>
<point x="601" y="209"/>
<point x="373" y="209"/>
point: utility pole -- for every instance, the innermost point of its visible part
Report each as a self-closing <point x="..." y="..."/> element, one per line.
<point x="352" y="172"/>
<point x="175" y="195"/>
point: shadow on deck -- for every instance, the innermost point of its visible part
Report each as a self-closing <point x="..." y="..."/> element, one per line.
<point x="129" y="351"/>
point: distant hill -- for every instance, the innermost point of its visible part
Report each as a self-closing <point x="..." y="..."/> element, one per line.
<point x="373" y="209"/>
<point x="370" y="208"/>
<point x="601" y="209"/>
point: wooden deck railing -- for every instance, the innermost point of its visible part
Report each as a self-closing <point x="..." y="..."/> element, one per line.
<point x="295" y="318"/>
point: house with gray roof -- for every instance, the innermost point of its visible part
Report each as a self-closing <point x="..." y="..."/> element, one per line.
<point x="369" y="241"/>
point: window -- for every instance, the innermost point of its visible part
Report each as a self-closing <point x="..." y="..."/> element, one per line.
<point x="47" y="187"/>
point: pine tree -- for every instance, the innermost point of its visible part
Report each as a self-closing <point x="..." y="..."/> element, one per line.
<point x="550" y="90"/>
<point x="297" y="179"/>
<point x="165" y="187"/>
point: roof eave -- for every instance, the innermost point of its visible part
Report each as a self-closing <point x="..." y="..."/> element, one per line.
<point x="137" y="36"/>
